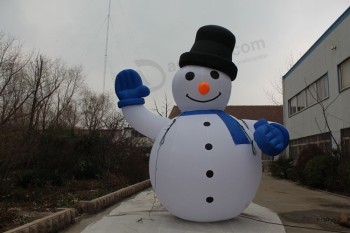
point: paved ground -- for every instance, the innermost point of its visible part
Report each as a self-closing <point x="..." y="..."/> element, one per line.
<point x="143" y="213"/>
<point x="300" y="206"/>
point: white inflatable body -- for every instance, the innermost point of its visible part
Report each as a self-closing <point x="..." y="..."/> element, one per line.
<point x="196" y="169"/>
<point x="199" y="174"/>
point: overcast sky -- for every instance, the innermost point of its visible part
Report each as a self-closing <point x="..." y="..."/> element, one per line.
<point x="150" y="35"/>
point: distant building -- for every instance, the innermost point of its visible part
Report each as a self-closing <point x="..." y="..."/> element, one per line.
<point x="139" y="139"/>
<point x="320" y="82"/>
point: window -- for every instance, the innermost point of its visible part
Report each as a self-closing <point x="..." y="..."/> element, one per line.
<point x="322" y="87"/>
<point x="292" y="106"/>
<point x="344" y="74"/>
<point x="301" y="99"/>
<point x="311" y="95"/>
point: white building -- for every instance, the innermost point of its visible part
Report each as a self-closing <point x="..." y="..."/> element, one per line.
<point x="319" y="81"/>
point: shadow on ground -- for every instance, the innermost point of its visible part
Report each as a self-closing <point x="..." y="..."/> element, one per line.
<point x="325" y="219"/>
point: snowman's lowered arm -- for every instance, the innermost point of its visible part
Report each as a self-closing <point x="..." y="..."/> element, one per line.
<point x="272" y="138"/>
<point x="130" y="91"/>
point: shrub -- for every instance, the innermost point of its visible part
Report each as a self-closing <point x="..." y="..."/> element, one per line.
<point x="344" y="176"/>
<point x="25" y="178"/>
<point x="308" y="153"/>
<point x="281" y="167"/>
<point x="344" y="168"/>
<point x="135" y="168"/>
<point x="321" y="172"/>
<point x="53" y="157"/>
<point x="89" y="152"/>
<point x="292" y="174"/>
<point x="347" y="187"/>
<point x="39" y="177"/>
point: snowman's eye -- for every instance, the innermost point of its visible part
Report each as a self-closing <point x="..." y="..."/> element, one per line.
<point x="189" y="76"/>
<point x="214" y="74"/>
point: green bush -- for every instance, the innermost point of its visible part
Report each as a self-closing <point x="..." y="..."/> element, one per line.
<point x="308" y="153"/>
<point x="292" y="174"/>
<point x="39" y="177"/>
<point x="54" y="157"/>
<point x="135" y="167"/>
<point x="281" y="167"/>
<point x="25" y="178"/>
<point x="347" y="181"/>
<point x="321" y="172"/>
<point x="89" y="152"/>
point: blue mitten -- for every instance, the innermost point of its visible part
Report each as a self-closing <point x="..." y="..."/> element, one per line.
<point x="129" y="88"/>
<point x="272" y="138"/>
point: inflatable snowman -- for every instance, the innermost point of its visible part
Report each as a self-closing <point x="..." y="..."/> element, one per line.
<point x="205" y="165"/>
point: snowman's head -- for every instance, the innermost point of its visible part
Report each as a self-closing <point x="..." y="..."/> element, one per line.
<point x="201" y="88"/>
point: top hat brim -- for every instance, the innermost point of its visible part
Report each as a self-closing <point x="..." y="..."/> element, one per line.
<point x="210" y="61"/>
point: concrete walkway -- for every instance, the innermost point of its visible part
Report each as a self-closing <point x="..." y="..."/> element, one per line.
<point x="302" y="207"/>
<point x="143" y="213"/>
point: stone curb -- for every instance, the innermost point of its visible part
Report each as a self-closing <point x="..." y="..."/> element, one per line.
<point x="66" y="216"/>
<point x="97" y="204"/>
<point x="51" y="223"/>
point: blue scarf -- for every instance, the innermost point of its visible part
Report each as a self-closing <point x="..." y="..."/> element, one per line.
<point x="236" y="131"/>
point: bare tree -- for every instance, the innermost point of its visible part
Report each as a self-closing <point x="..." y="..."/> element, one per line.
<point x="275" y="95"/>
<point x="70" y="116"/>
<point x="44" y="82"/>
<point x="165" y="108"/>
<point x="312" y="91"/>
<point x="13" y="86"/>
<point x="64" y="98"/>
<point x="340" y="150"/>
<point x="94" y="110"/>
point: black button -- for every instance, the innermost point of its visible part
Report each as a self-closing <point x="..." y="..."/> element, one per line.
<point x="208" y="146"/>
<point x="210" y="173"/>
<point x="210" y="199"/>
<point x="206" y="123"/>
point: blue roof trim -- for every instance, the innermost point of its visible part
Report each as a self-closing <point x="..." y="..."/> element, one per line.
<point x="324" y="36"/>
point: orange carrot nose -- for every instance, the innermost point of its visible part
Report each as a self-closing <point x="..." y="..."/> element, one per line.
<point x="204" y="88"/>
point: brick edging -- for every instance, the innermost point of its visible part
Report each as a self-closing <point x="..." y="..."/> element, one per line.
<point x="66" y="216"/>
<point x="51" y="223"/>
<point x="99" y="203"/>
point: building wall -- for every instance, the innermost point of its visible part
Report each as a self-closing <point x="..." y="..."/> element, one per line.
<point x="321" y="59"/>
<point x="322" y="141"/>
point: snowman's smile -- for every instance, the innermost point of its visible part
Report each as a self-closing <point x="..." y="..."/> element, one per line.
<point x="203" y="101"/>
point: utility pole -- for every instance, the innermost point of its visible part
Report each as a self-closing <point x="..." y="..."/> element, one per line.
<point x="106" y="46"/>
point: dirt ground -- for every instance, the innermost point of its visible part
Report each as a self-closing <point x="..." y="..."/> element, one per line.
<point x="19" y="206"/>
<point x="302" y="207"/>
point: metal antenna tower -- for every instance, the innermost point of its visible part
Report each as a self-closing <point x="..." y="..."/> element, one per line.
<point x="106" y="46"/>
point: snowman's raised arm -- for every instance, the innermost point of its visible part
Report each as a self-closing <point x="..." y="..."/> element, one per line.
<point x="144" y="121"/>
<point x="130" y="91"/>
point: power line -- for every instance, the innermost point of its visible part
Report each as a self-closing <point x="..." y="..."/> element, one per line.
<point x="292" y="226"/>
<point x="106" y="46"/>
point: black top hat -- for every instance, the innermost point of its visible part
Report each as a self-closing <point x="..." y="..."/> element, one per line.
<point x="212" y="48"/>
